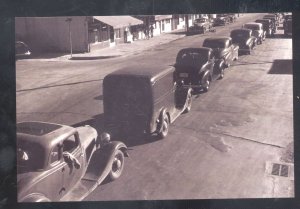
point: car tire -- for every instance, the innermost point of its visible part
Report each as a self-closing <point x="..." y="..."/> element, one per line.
<point x="165" y="127"/>
<point x="206" y="85"/>
<point x="117" y="165"/>
<point x="188" y="102"/>
<point x="222" y="72"/>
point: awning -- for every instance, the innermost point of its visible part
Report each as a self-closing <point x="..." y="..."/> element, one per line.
<point x="118" y="21"/>
<point x="162" y="17"/>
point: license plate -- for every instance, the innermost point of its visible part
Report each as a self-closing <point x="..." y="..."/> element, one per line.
<point x="183" y="75"/>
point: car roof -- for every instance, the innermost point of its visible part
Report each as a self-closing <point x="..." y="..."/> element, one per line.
<point x="253" y="23"/>
<point x="263" y="20"/>
<point x="241" y="29"/>
<point x="220" y="38"/>
<point x="45" y="134"/>
<point x="148" y="72"/>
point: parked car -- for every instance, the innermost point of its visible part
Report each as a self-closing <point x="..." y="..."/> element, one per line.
<point x="232" y="17"/>
<point x="21" y="50"/>
<point x="267" y="26"/>
<point x="272" y="16"/>
<point x="244" y="39"/>
<point x="197" y="68"/>
<point x="201" y="25"/>
<point x="62" y="163"/>
<point x="221" y="19"/>
<point x="257" y="31"/>
<point x="143" y="101"/>
<point x="223" y="49"/>
<point x="288" y="27"/>
<point x="274" y="22"/>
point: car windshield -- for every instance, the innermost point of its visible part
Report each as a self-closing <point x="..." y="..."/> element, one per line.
<point x="30" y="156"/>
<point x="214" y="44"/>
<point x="251" y="26"/>
<point x="238" y="35"/>
<point x="193" y="58"/>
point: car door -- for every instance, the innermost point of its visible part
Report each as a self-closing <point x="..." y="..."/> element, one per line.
<point x="72" y="173"/>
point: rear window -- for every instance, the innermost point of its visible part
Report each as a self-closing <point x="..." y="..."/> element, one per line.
<point x="35" y="128"/>
<point x="214" y="44"/>
<point x="191" y="58"/>
<point x="252" y="26"/>
<point x="240" y="34"/>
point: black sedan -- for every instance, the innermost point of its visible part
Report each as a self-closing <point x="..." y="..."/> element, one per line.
<point x="196" y="68"/>
<point x="244" y="39"/>
<point x="223" y="48"/>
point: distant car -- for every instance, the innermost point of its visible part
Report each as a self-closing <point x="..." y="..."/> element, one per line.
<point x="244" y="39"/>
<point x="197" y="68"/>
<point x="221" y="19"/>
<point x="232" y="17"/>
<point x="61" y="163"/>
<point x="257" y="31"/>
<point x="223" y="48"/>
<point x="22" y="50"/>
<point x="288" y="27"/>
<point x="267" y="26"/>
<point x="201" y="25"/>
<point x="274" y="22"/>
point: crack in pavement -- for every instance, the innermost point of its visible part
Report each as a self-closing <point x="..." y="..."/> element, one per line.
<point x="233" y="136"/>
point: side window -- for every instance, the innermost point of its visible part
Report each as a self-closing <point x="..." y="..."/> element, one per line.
<point x="70" y="144"/>
<point x="54" y="155"/>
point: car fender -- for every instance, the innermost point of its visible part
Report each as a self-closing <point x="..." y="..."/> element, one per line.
<point x="220" y="64"/>
<point x="35" y="197"/>
<point x="102" y="159"/>
<point x="204" y="75"/>
<point x="160" y="119"/>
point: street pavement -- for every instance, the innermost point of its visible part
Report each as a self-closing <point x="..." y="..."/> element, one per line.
<point x="221" y="149"/>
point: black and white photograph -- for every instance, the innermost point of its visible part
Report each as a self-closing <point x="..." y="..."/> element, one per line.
<point x="154" y="107"/>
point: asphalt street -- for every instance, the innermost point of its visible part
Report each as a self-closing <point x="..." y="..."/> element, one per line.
<point x="221" y="149"/>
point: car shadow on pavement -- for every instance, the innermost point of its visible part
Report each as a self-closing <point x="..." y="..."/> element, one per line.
<point x="282" y="66"/>
<point x="97" y="122"/>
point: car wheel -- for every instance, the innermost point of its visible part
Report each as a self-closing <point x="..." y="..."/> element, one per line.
<point x="165" y="127"/>
<point x="117" y="165"/>
<point x="222" y="72"/>
<point x="188" y="102"/>
<point x="206" y="85"/>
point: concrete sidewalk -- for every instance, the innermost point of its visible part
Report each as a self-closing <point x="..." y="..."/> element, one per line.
<point x="127" y="49"/>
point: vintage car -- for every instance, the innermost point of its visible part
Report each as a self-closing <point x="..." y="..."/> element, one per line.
<point x="201" y="25"/>
<point x="22" y="50"/>
<point x="197" y="68"/>
<point x="244" y="39"/>
<point x="62" y="163"/>
<point x="143" y="101"/>
<point x="288" y="27"/>
<point x="232" y="17"/>
<point x="267" y="26"/>
<point x="221" y="19"/>
<point x="273" y="20"/>
<point x="257" y="31"/>
<point x="223" y="49"/>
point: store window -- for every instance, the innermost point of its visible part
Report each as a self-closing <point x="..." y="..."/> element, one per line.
<point x="118" y="33"/>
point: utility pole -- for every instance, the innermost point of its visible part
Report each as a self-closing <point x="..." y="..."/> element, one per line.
<point x="186" y="18"/>
<point x="69" y="20"/>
